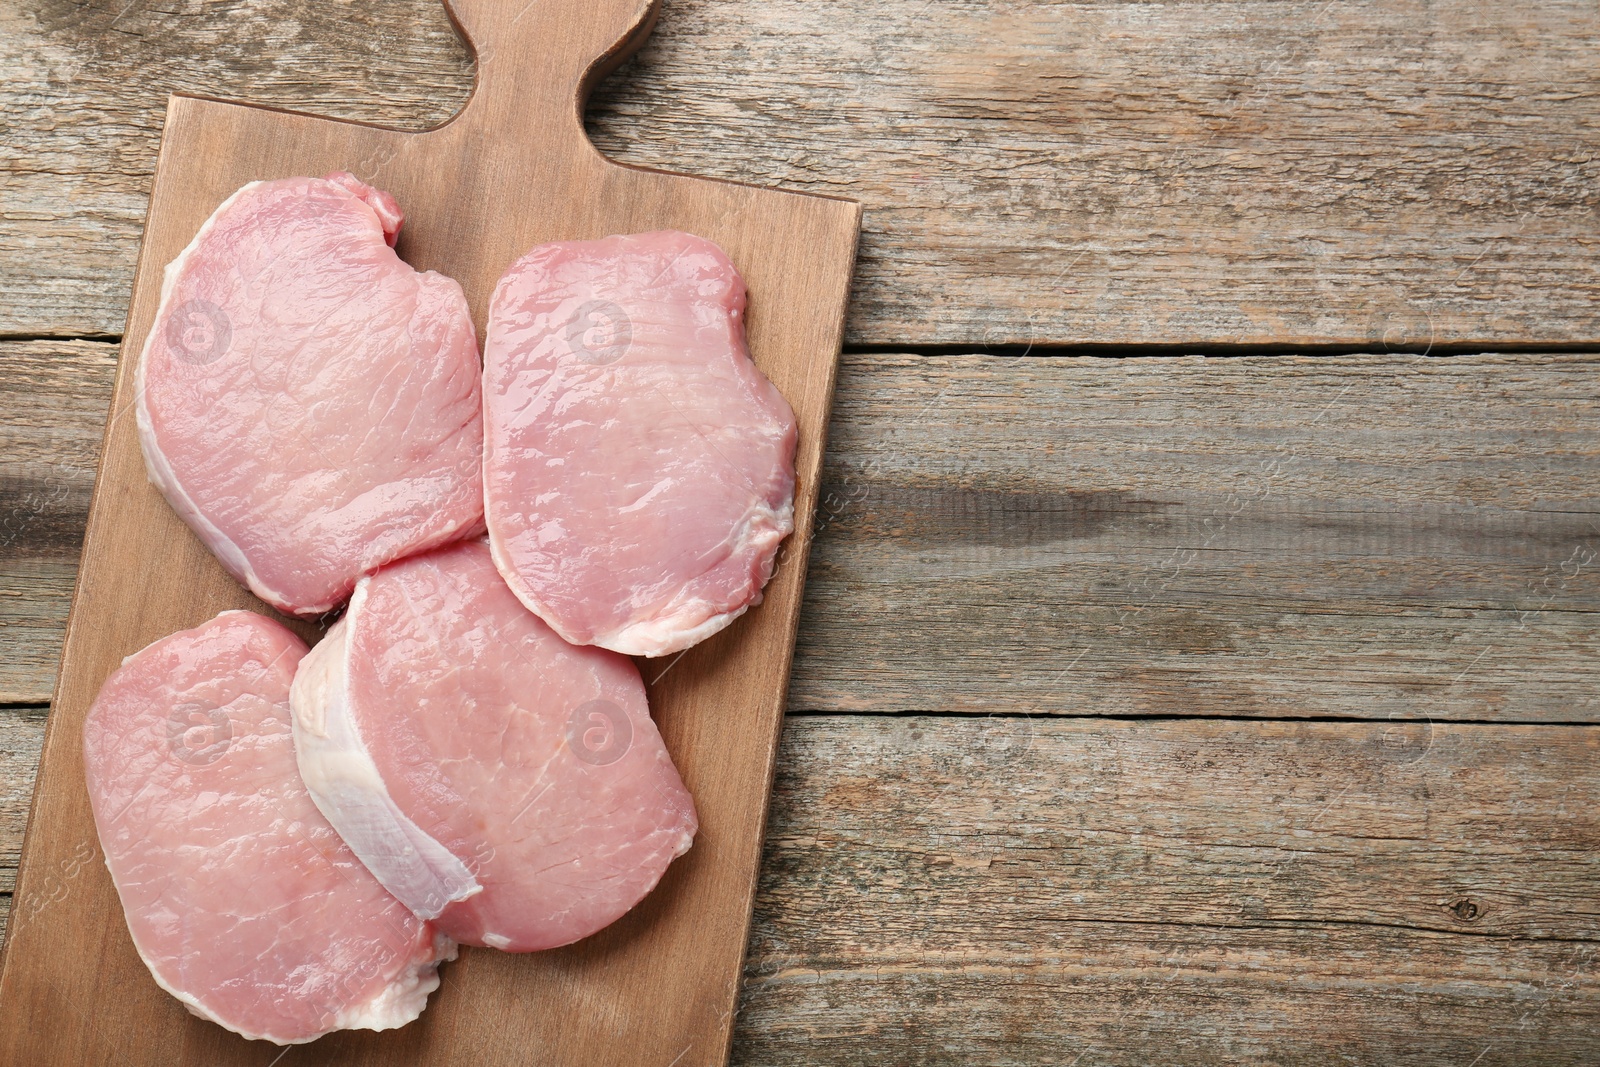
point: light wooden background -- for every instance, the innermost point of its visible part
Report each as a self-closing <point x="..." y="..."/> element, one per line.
<point x="1198" y="664"/>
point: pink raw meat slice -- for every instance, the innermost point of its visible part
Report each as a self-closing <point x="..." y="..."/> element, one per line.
<point x="241" y="899"/>
<point x="500" y="781"/>
<point x="638" y="467"/>
<point x="307" y="402"/>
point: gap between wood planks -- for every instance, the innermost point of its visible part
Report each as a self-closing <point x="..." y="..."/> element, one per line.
<point x="1114" y="350"/>
<point x="1109" y="349"/>
<point x="107" y="338"/>
<point x="1300" y="924"/>
<point x="1120" y="716"/>
<point x="974" y="716"/>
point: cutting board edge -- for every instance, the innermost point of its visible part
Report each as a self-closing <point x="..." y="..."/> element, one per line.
<point x="801" y="559"/>
<point x="185" y="100"/>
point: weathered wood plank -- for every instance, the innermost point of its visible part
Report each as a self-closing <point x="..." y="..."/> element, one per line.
<point x="1177" y="891"/>
<point x="1095" y="171"/>
<point x="946" y="890"/>
<point x="1138" y="994"/>
<point x="53" y="397"/>
<point x="1360" y="536"/>
<point x="21" y="731"/>
<point x="1353" y="536"/>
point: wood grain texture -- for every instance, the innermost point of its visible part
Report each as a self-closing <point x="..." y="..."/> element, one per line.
<point x="513" y="170"/>
<point x="1105" y="171"/>
<point x="1177" y="892"/>
<point x="21" y="730"/>
<point x="53" y="400"/>
<point x="1364" y="536"/>
<point x="1353" y="536"/>
<point x="1194" y="892"/>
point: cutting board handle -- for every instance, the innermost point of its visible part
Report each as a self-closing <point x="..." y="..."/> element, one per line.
<point x="543" y="56"/>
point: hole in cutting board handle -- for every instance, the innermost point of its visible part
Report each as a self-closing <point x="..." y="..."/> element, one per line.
<point x="544" y="56"/>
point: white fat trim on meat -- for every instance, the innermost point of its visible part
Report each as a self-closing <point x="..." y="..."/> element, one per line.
<point x="347" y="788"/>
<point x="671" y="630"/>
<point x="399" y="1003"/>
<point x="663" y="635"/>
<point x="155" y="463"/>
<point x="403" y="999"/>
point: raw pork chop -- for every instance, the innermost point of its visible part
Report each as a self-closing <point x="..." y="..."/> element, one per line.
<point x="308" y="403"/>
<point x="639" y="469"/>
<point x="495" y="778"/>
<point x="240" y="898"/>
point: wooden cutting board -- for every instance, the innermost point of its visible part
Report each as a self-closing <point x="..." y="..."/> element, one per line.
<point x="514" y="169"/>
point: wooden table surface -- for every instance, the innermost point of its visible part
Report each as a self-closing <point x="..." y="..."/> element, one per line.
<point x="1198" y="661"/>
